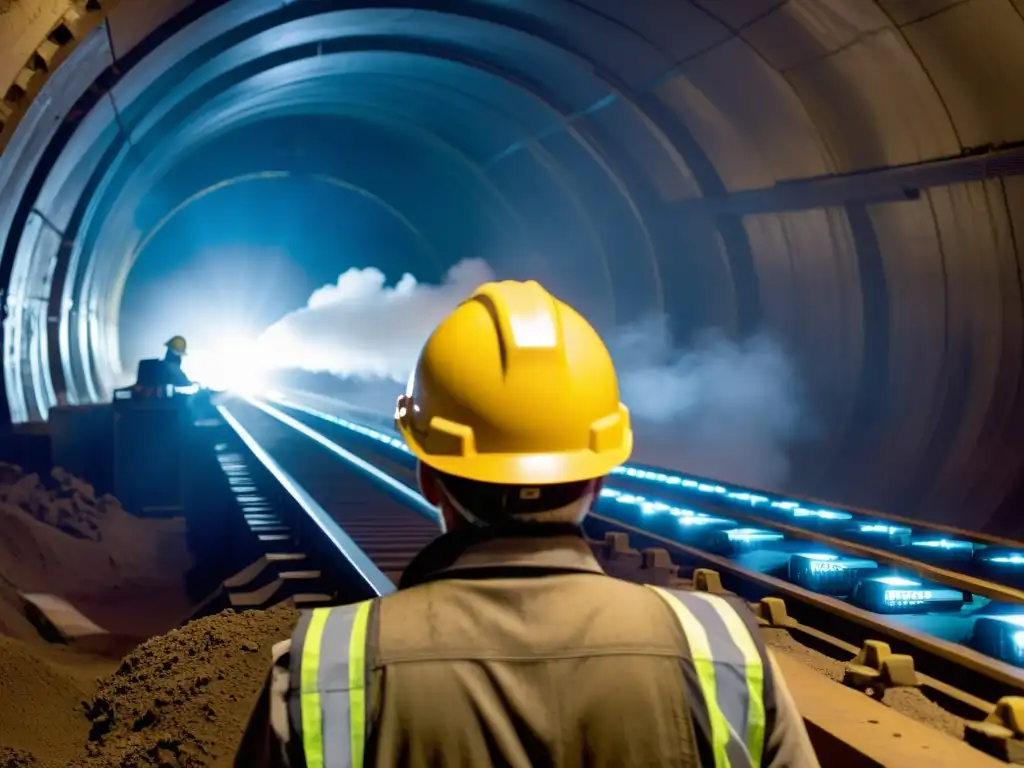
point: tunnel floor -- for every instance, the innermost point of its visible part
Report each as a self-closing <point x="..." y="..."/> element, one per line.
<point x="230" y="651"/>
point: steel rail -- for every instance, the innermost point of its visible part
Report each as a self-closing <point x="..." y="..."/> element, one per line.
<point x="956" y="673"/>
<point x="993" y="590"/>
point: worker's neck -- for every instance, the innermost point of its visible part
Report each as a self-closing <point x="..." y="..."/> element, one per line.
<point x="458" y="527"/>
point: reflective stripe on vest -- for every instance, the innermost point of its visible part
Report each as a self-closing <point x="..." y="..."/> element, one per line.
<point x="729" y="672"/>
<point x="332" y="686"/>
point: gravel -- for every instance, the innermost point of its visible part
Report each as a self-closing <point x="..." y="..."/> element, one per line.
<point x="907" y="701"/>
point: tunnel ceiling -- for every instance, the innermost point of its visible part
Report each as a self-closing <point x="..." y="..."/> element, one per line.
<point x="843" y="173"/>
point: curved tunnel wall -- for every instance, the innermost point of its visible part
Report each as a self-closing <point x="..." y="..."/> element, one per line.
<point x="838" y="171"/>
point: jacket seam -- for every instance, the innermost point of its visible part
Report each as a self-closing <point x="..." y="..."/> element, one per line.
<point x="533" y="657"/>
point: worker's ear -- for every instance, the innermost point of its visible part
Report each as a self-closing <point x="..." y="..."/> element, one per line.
<point x="595" y="489"/>
<point x="428" y="485"/>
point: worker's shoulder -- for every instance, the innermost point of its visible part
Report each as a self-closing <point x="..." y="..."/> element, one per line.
<point x="533" y="613"/>
<point x="581" y="588"/>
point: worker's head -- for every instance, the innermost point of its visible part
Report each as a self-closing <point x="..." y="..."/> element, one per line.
<point x="177" y="345"/>
<point x="513" y="410"/>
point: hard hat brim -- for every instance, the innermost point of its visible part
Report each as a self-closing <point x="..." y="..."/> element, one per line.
<point x="518" y="469"/>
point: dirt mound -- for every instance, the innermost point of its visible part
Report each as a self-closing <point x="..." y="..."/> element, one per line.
<point x="63" y="501"/>
<point x="59" y="537"/>
<point x="41" y="715"/>
<point x="177" y="701"/>
<point x="183" y="699"/>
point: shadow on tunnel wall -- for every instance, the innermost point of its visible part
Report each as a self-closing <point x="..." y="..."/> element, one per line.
<point x="843" y="178"/>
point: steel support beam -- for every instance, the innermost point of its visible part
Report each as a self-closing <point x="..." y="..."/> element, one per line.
<point x="890" y="184"/>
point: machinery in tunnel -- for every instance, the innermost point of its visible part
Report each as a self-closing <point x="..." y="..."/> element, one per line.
<point x="813" y="169"/>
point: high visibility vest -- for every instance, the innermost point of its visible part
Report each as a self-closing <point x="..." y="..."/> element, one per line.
<point x="725" y="671"/>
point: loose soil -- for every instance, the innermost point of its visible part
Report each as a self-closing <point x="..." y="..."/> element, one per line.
<point x="126" y="574"/>
<point x="181" y="700"/>
<point x="184" y="699"/>
<point x="907" y="701"/>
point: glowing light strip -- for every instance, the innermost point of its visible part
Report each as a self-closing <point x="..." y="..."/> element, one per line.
<point x="370" y="573"/>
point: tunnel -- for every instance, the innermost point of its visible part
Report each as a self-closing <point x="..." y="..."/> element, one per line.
<point x="845" y="174"/>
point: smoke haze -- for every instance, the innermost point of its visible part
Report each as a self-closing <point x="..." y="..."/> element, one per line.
<point x="716" y="408"/>
<point x="359" y="327"/>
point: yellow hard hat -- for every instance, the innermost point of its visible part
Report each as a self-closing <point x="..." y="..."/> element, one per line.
<point x="515" y="387"/>
<point x="177" y="344"/>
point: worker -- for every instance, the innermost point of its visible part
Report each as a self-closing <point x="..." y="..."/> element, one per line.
<point x="177" y="348"/>
<point x="159" y="377"/>
<point x="505" y="643"/>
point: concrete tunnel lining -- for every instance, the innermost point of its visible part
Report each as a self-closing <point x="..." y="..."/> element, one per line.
<point x="682" y="103"/>
<point x="128" y="85"/>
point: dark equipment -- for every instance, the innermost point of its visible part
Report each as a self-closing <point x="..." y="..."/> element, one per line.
<point x="152" y="429"/>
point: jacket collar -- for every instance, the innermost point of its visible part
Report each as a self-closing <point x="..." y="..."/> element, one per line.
<point x="494" y="552"/>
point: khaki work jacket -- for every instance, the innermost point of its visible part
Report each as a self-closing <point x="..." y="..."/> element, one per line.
<point x="514" y="652"/>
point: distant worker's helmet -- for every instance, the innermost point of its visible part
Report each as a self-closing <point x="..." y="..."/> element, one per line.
<point x="515" y="387"/>
<point x="178" y="345"/>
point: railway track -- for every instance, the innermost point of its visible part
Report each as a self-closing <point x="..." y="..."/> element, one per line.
<point x="958" y="568"/>
<point x="333" y="504"/>
<point x="367" y="524"/>
<point x="985" y="565"/>
<point x="972" y="679"/>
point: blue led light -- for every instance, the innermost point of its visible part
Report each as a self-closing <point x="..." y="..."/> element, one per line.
<point x="891" y="530"/>
<point x="653" y="507"/>
<point x="819" y="567"/>
<point x="821" y="514"/>
<point x="947" y="544"/>
<point x="826" y="573"/>
<point x="897" y="594"/>
<point x="903" y="598"/>
<point x="824" y="563"/>
<point x="907" y="597"/>
<point x="702" y="520"/>
<point x="1007" y="559"/>
<point x="912" y="593"/>
<point x="752" y="499"/>
<point x="820" y="563"/>
<point x="895" y="581"/>
<point x="751" y="535"/>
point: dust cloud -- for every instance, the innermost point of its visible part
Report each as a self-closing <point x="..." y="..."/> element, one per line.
<point x="712" y="407"/>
